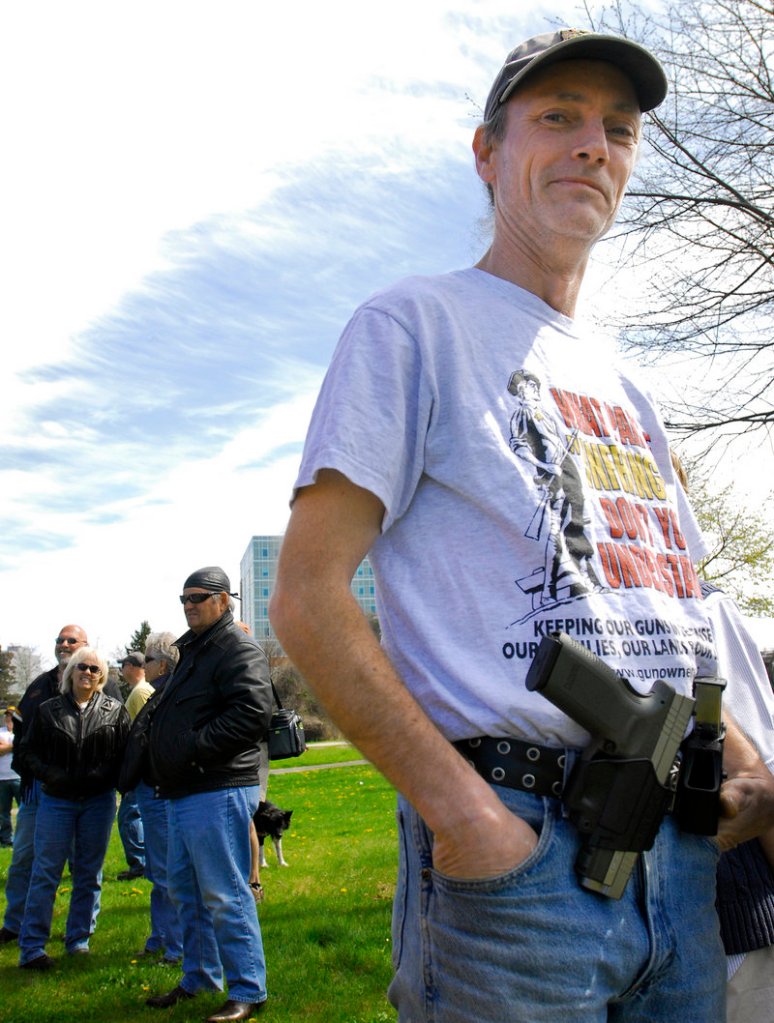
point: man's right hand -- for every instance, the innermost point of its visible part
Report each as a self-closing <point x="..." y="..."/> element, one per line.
<point x="488" y="846"/>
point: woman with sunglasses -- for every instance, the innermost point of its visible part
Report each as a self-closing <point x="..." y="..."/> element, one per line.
<point x="74" y="747"/>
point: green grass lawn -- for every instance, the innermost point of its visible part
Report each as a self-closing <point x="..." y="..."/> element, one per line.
<point x="325" y="919"/>
<point x="322" y="753"/>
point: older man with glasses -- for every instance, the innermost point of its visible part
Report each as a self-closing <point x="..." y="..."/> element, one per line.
<point x="203" y="756"/>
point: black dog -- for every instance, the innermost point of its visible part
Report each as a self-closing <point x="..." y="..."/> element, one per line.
<point x="270" y="821"/>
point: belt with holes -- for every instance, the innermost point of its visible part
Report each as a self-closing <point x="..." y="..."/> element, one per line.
<point x="517" y="764"/>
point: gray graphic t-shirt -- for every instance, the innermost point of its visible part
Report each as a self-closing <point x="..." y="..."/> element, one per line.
<point x="528" y="489"/>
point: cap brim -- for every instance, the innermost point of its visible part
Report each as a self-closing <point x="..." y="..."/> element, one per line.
<point x="640" y="66"/>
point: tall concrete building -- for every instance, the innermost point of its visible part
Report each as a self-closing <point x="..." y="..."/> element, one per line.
<point x="258" y="572"/>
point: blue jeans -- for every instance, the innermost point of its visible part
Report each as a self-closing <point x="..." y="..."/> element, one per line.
<point x="532" y="945"/>
<point x="9" y="790"/>
<point x="20" y="870"/>
<point x="130" y="830"/>
<point x="65" y="828"/>
<point x="208" y="866"/>
<point x="166" y="932"/>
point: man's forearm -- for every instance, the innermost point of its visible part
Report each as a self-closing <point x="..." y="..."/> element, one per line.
<point x="328" y="638"/>
<point x="341" y="659"/>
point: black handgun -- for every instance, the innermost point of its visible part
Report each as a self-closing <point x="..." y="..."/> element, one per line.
<point x="623" y="783"/>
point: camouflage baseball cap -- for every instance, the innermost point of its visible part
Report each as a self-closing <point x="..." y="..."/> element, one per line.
<point x="641" y="67"/>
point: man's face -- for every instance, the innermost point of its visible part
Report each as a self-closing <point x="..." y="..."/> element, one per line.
<point x="569" y="147"/>
<point x="132" y="673"/>
<point x="201" y="616"/>
<point x="68" y="640"/>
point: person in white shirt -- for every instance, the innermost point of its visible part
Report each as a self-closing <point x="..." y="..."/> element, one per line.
<point x="9" y="779"/>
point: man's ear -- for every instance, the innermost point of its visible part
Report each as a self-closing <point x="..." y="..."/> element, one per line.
<point x="485" y="153"/>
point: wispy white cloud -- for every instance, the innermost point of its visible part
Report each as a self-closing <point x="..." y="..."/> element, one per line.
<point x="198" y="196"/>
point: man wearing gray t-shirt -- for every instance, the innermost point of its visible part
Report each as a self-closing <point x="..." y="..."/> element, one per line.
<point x="412" y="458"/>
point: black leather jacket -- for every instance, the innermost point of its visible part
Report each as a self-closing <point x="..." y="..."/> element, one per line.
<point x="76" y="754"/>
<point x="42" y="688"/>
<point x="211" y="715"/>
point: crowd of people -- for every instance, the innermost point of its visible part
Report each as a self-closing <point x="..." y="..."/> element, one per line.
<point x="523" y="490"/>
<point x="184" y="750"/>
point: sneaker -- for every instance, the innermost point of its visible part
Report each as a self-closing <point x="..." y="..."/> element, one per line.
<point x="7" y="936"/>
<point x="42" y="962"/>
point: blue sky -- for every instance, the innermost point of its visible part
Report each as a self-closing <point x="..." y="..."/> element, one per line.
<point x="196" y="196"/>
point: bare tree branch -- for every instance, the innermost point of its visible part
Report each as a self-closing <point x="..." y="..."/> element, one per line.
<point x="701" y="207"/>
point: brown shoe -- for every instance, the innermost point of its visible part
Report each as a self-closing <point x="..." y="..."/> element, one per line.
<point x="232" y="1010"/>
<point x="177" y="994"/>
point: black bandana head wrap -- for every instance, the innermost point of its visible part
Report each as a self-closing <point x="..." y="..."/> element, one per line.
<point x="211" y="578"/>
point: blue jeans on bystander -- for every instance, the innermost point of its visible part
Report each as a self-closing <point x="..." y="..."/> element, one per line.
<point x="20" y="869"/>
<point x="166" y="933"/>
<point x="65" y="828"/>
<point x="208" y="866"/>
<point x="9" y="790"/>
<point x="130" y="830"/>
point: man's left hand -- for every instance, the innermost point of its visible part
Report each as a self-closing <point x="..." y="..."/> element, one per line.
<point x="746" y="808"/>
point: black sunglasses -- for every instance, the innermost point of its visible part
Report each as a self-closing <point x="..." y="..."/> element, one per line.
<point x="61" y="640"/>
<point x="196" y="598"/>
<point x="93" y="669"/>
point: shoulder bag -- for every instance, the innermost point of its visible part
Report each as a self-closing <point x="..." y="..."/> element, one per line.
<point x="286" y="732"/>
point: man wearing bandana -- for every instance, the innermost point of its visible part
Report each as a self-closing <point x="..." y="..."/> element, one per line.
<point x="204" y="758"/>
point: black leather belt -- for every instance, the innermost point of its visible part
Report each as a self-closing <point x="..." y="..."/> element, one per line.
<point x="517" y="764"/>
